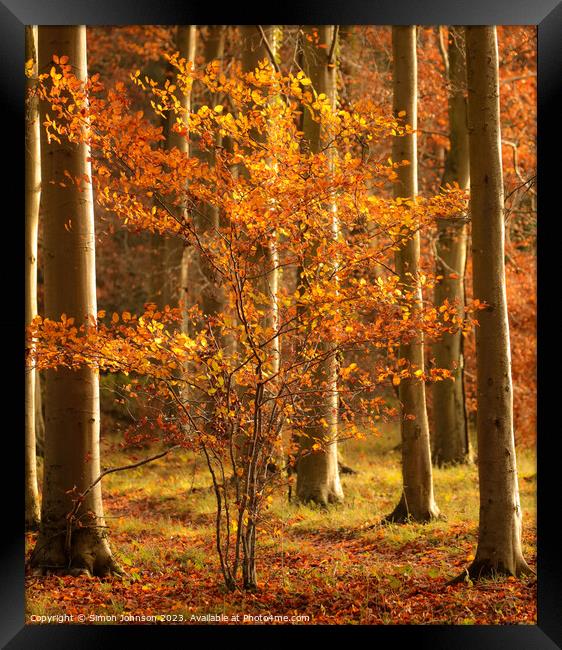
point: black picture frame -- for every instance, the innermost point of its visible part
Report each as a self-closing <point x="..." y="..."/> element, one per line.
<point x="14" y="15"/>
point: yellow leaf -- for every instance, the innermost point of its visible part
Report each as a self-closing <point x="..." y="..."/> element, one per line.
<point x="256" y="97"/>
<point x="396" y="380"/>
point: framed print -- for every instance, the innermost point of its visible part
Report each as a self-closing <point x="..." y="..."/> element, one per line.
<point x="285" y="322"/>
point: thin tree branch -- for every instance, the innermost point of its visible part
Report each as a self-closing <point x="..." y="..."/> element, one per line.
<point x="125" y="467"/>
<point x="443" y="50"/>
<point x="268" y="48"/>
<point x="333" y="45"/>
<point x="80" y="499"/>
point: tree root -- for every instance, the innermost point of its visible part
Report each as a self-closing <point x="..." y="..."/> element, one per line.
<point x="401" y="515"/>
<point x="482" y="569"/>
<point x="89" y="555"/>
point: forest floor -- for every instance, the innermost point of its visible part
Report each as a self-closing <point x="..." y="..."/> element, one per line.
<point x="336" y="566"/>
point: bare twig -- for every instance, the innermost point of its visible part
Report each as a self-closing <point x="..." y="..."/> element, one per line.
<point x="443" y="49"/>
<point x="80" y="498"/>
<point x="268" y="48"/>
<point x="333" y="45"/>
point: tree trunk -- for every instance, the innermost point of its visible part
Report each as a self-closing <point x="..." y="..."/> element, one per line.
<point x="450" y="427"/>
<point x="32" y="196"/>
<point x="417" y="502"/>
<point x="209" y="217"/>
<point x="72" y="423"/>
<point x="39" y="417"/>
<point x="499" y="533"/>
<point x="172" y="247"/>
<point x="160" y="287"/>
<point x="318" y="478"/>
<point x="266" y="256"/>
<point x="198" y="281"/>
<point x="247" y="448"/>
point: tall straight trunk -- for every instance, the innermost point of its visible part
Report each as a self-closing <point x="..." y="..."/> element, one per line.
<point x="213" y="50"/>
<point x="499" y="533"/>
<point x="198" y="281"/>
<point x="256" y="50"/>
<point x="417" y="502"/>
<point x="172" y="247"/>
<point x="199" y="284"/>
<point x="32" y="196"/>
<point x="318" y="479"/>
<point x="72" y="445"/>
<point x="450" y="427"/>
<point x="39" y="418"/>
<point x="160" y="287"/>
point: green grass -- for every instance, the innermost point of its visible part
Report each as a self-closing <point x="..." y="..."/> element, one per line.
<point x="337" y="563"/>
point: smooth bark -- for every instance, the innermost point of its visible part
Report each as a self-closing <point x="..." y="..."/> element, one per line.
<point x="160" y="286"/>
<point x="318" y="478"/>
<point x="199" y="282"/>
<point x="266" y="255"/>
<point x="39" y="416"/>
<point x="175" y="279"/>
<point x="32" y="198"/>
<point x="72" y="420"/>
<point x="417" y="502"/>
<point x="255" y="49"/>
<point x="450" y="426"/>
<point x="499" y="534"/>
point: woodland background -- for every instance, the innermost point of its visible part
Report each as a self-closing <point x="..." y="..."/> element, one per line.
<point x="323" y="554"/>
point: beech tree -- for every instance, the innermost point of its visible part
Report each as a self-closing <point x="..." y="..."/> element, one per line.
<point x="308" y="293"/>
<point x="317" y="468"/>
<point x="175" y="260"/>
<point x="417" y="502"/>
<point x="213" y="38"/>
<point x="199" y="283"/>
<point x="499" y="533"/>
<point x="76" y="544"/>
<point x="450" y="426"/>
<point x="283" y="201"/>
<point x="32" y="197"/>
<point x="259" y="50"/>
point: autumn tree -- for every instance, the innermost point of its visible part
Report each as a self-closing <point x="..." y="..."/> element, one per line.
<point x="499" y="533"/>
<point x="260" y="44"/>
<point x="287" y="195"/>
<point x="72" y="460"/>
<point x="317" y="468"/>
<point x="450" y="426"/>
<point x="32" y="197"/>
<point x="417" y="501"/>
<point x="199" y="283"/>
<point x="518" y="97"/>
<point x="175" y="260"/>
